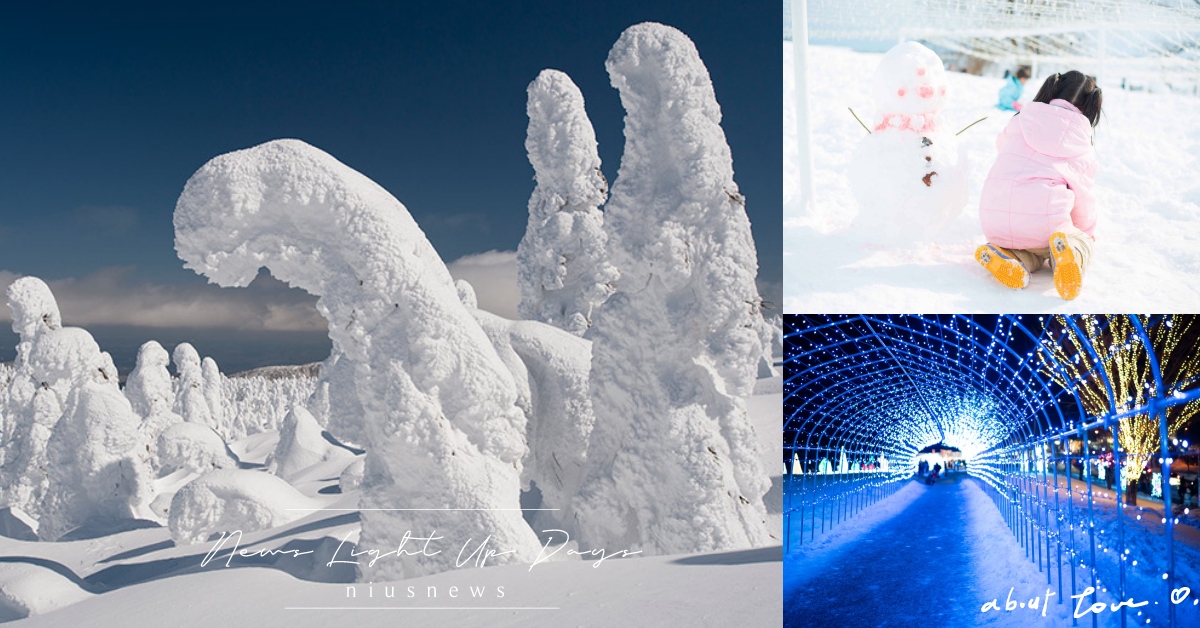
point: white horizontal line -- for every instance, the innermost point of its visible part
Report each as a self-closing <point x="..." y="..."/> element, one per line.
<point x="421" y="608"/>
<point x="411" y="509"/>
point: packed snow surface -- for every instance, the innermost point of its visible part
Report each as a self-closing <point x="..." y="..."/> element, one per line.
<point x="941" y="553"/>
<point x="1148" y="205"/>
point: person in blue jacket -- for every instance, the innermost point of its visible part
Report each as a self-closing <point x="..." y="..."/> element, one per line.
<point x="1010" y="94"/>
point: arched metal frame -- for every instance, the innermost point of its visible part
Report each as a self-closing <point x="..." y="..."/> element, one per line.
<point x="863" y="394"/>
<point x="1100" y="37"/>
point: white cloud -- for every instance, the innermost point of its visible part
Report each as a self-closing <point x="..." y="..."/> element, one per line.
<point x="111" y="296"/>
<point x="494" y="276"/>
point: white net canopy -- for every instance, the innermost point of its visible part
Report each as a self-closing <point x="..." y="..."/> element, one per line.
<point x="1110" y="38"/>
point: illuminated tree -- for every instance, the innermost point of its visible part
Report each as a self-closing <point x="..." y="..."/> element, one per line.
<point x="1122" y="357"/>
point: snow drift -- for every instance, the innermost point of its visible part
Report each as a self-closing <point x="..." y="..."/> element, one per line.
<point x="301" y="445"/>
<point x="440" y="420"/>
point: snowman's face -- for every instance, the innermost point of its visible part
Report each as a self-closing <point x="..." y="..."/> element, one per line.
<point x="910" y="80"/>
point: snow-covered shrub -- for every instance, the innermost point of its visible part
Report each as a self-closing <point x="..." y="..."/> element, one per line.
<point x="230" y="499"/>
<point x="301" y="446"/>
<point x="192" y="447"/>
<point x="190" y="402"/>
<point x="563" y="269"/>
<point x="673" y="459"/>
<point x="440" y="421"/>
<point x="258" y="403"/>
<point x="151" y="393"/>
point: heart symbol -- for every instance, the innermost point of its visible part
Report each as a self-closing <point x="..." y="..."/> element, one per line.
<point x="1180" y="594"/>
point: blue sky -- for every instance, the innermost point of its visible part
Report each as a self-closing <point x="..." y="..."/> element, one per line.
<point x="107" y="111"/>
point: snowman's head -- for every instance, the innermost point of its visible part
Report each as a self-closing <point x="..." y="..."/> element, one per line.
<point x="910" y="79"/>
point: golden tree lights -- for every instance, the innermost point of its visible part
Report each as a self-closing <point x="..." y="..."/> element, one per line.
<point x="1123" y="359"/>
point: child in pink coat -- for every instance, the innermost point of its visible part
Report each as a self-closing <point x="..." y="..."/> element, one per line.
<point x="1037" y="202"/>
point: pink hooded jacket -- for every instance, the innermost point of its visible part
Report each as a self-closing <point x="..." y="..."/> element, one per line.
<point x="1042" y="179"/>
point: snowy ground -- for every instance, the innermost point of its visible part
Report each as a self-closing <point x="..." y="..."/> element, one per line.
<point x="1148" y="197"/>
<point x="935" y="555"/>
<point x="140" y="577"/>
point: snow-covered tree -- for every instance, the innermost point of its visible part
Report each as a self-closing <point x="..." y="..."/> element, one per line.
<point x="673" y="459"/>
<point x="151" y="393"/>
<point x="96" y="469"/>
<point x="149" y="387"/>
<point x="255" y="403"/>
<point x="190" y="402"/>
<point x="439" y="421"/>
<point x="212" y="395"/>
<point x="73" y="449"/>
<point x="34" y="400"/>
<point x="562" y="268"/>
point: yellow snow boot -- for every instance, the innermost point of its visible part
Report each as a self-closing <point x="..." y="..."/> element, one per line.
<point x="1068" y="275"/>
<point x="1003" y="265"/>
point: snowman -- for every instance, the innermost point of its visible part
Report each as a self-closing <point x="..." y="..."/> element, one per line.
<point x="909" y="175"/>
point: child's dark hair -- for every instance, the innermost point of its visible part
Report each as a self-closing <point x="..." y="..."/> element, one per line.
<point x="1076" y="88"/>
<point x="1023" y="72"/>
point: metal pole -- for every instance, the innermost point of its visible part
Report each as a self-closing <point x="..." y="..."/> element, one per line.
<point x="1058" y="524"/>
<point x="803" y="123"/>
<point x="1120" y="482"/>
<point x="1168" y="516"/>
<point x="1091" y="529"/>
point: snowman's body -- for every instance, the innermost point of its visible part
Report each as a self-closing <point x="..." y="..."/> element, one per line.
<point x="910" y="175"/>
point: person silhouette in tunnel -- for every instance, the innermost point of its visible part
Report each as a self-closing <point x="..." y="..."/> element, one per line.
<point x="933" y="477"/>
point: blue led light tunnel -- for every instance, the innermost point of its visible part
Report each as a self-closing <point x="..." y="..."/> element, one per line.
<point x="1071" y="424"/>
